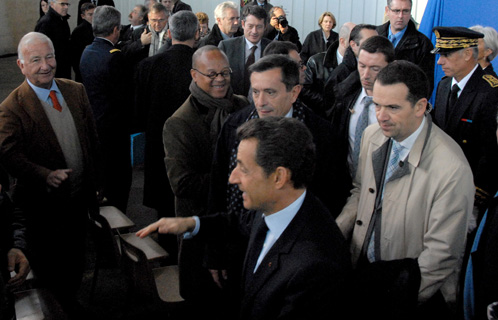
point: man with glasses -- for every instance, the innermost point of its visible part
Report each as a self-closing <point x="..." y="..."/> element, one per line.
<point x="226" y="26"/>
<point x="54" y="25"/>
<point x="409" y="43"/>
<point x="162" y="86"/>
<point x="189" y="138"/>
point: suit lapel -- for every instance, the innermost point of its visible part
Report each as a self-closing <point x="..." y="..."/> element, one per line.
<point x="465" y="101"/>
<point x="441" y="107"/>
<point x="271" y="262"/>
<point x="33" y="107"/>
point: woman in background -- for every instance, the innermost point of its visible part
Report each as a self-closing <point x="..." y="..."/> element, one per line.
<point x="319" y="40"/>
<point x="43" y="7"/>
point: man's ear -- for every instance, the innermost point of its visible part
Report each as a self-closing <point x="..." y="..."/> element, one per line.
<point x="282" y="176"/>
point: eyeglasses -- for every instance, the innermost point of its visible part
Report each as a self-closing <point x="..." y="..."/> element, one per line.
<point x="398" y="11"/>
<point x="212" y="75"/>
<point x="64" y="4"/>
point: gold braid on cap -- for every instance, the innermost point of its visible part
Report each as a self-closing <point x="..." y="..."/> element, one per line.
<point x="456" y="42"/>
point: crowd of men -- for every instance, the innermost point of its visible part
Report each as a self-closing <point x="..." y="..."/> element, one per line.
<point x="285" y="186"/>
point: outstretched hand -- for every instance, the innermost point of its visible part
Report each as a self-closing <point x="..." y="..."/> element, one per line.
<point x="168" y="225"/>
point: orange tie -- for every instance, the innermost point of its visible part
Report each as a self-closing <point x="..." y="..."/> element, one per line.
<point x="55" y="102"/>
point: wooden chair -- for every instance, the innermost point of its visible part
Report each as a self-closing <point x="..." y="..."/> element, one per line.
<point x="158" y="286"/>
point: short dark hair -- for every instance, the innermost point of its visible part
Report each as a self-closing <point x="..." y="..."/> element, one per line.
<point x="282" y="142"/>
<point x="86" y="6"/>
<point x="105" y="19"/>
<point x="256" y="11"/>
<point x="379" y="44"/>
<point x="355" y="34"/>
<point x="408" y="73"/>
<point x="288" y="67"/>
<point x="279" y="47"/>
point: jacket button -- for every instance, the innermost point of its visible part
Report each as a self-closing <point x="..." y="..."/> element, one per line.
<point x="359" y="222"/>
<point x="371" y="190"/>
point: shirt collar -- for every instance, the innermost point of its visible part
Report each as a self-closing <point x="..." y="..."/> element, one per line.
<point x="278" y="221"/>
<point x="397" y="36"/>
<point x="42" y="93"/>
<point x="465" y="79"/>
<point x="249" y="44"/>
<point x="408" y="143"/>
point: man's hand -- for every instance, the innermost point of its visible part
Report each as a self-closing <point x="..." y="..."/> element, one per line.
<point x="168" y="225"/>
<point x="146" y="37"/>
<point x="56" y="177"/>
<point x="216" y="276"/>
<point x="17" y="262"/>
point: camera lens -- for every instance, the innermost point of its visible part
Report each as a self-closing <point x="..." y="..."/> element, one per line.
<point x="282" y="21"/>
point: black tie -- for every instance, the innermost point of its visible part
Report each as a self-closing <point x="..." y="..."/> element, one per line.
<point x="250" y="60"/>
<point x="453" y="99"/>
<point x="255" y="248"/>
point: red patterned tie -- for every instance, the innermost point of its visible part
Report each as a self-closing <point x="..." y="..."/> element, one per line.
<point x="55" y="102"/>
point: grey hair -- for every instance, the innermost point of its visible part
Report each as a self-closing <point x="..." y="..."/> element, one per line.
<point x="344" y="32"/>
<point x="220" y="10"/>
<point x="490" y="39"/>
<point x="32" y="37"/>
<point x="105" y="20"/>
<point x="183" y="25"/>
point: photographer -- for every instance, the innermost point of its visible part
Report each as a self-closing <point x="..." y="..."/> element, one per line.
<point x="279" y="29"/>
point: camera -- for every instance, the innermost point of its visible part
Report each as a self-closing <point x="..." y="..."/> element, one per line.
<point x="282" y="21"/>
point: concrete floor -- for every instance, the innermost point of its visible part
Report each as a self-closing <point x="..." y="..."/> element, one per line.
<point x="110" y="295"/>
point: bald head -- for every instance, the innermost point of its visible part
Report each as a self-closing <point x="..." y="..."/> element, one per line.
<point x="211" y="71"/>
<point x="30" y="38"/>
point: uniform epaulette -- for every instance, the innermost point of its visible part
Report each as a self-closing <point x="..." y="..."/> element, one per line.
<point x="114" y="50"/>
<point x="493" y="82"/>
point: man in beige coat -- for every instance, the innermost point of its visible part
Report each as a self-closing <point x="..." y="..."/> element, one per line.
<point x="420" y="210"/>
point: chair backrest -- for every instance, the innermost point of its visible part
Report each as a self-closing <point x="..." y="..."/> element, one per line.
<point x="138" y="272"/>
<point x="105" y="241"/>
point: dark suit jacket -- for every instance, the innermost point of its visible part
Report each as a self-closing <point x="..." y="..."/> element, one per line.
<point x="54" y="26"/>
<point x="235" y="49"/>
<point x="109" y="86"/>
<point x="472" y="124"/>
<point x="341" y="116"/>
<point x="314" y="43"/>
<point x="291" y="35"/>
<point x="81" y="37"/>
<point x="266" y="6"/>
<point x="162" y="86"/>
<point x="304" y="274"/>
<point x="340" y="73"/>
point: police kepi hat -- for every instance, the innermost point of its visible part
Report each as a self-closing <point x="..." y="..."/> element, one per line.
<point x="449" y="39"/>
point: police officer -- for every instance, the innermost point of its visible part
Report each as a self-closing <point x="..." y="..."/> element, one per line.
<point x="465" y="107"/>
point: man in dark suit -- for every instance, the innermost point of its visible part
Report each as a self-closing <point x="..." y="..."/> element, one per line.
<point x="162" y="86"/>
<point x="243" y="51"/>
<point x="409" y="43"/>
<point x="108" y="83"/>
<point x="54" y="25"/>
<point x="95" y="3"/>
<point x="81" y="36"/>
<point x="465" y="108"/>
<point x="296" y="265"/>
<point x="226" y="26"/>
<point x="137" y="19"/>
<point x="349" y="64"/>
<point x="174" y="6"/>
<point x="348" y="117"/>
<point x="48" y="142"/>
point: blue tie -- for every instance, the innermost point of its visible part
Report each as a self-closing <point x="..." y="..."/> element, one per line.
<point x="360" y="127"/>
